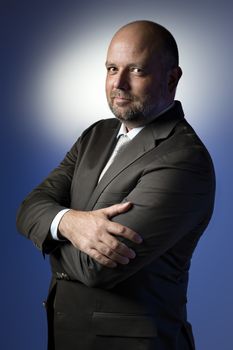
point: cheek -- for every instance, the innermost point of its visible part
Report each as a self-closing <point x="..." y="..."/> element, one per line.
<point x="143" y="87"/>
<point x="153" y="89"/>
<point x="107" y="87"/>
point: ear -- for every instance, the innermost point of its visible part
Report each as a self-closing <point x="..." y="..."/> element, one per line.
<point x="174" y="76"/>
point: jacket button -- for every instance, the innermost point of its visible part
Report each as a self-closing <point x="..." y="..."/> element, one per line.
<point x="64" y="276"/>
<point x="37" y="245"/>
<point x="58" y="274"/>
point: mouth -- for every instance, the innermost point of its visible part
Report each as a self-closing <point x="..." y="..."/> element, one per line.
<point x="121" y="101"/>
<point x="121" y="98"/>
<point x="120" y="95"/>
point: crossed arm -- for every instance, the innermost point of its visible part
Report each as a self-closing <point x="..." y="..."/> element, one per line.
<point x="92" y="232"/>
<point x="171" y="207"/>
<point x="172" y="201"/>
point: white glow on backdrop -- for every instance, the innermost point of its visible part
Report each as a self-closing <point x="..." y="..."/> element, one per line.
<point x="66" y="92"/>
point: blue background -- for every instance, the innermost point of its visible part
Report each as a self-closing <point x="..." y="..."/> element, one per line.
<point x="30" y="148"/>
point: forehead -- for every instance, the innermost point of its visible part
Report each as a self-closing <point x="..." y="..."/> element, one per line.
<point x="128" y="49"/>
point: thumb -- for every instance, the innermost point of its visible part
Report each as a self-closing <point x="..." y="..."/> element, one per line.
<point x="117" y="209"/>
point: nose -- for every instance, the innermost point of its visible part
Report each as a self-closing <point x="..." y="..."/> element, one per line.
<point x="121" y="80"/>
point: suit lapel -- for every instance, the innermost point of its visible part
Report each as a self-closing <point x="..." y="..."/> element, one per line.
<point x="146" y="140"/>
<point x="142" y="143"/>
<point x="102" y="147"/>
<point x="94" y="152"/>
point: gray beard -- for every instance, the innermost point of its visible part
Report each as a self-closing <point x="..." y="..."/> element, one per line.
<point x="137" y="114"/>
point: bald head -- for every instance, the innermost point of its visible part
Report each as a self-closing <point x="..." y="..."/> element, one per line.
<point x="153" y="36"/>
<point x="142" y="72"/>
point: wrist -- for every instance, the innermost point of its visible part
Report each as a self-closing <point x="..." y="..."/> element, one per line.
<point x="66" y="224"/>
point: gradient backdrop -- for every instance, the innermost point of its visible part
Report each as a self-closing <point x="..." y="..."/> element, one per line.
<point x="52" y="87"/>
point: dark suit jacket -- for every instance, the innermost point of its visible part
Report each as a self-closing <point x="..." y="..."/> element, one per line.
<point x="167" y="173"/>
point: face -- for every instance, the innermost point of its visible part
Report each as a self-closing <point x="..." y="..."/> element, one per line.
<point x="136" y="82"/>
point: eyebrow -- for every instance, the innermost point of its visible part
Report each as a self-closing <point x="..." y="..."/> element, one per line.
<point x="138" y="65"/>
<point x="109" y="63"/>
<point x="130" y="65"/>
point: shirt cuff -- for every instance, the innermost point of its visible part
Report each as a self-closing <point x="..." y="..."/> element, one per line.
<point x="55" y="223"/>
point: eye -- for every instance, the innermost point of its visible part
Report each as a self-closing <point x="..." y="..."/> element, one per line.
<point x="137" y="70"/>
<point x="111" y="69"/>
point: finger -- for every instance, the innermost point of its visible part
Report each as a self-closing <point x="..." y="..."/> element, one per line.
<point x="111" y="254"/>
<point x="116" y="209"/>
<point x="101" y="259"/>
<point x="120" y="230"/>
<point x="116" y="246"/>
<point x="121" y="248"/>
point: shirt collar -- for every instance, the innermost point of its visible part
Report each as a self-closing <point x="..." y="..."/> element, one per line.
<point x="133" y="132"/>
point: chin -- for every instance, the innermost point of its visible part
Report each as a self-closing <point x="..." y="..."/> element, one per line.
<point x="127" y="118"/>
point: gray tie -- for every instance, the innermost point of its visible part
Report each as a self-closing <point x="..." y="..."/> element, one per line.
<point x="122" y="142"/>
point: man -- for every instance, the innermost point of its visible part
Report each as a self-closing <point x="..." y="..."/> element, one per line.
<point x="121" y="229"/>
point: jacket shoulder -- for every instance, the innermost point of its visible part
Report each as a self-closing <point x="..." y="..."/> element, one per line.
<point x="185" y="146"/>
<point x="102" y="123"/>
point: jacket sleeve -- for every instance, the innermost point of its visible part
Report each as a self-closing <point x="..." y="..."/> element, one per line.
<point x="38" y="210"/>
<point x="40" y="207"/>
<point x="172" y="201"/>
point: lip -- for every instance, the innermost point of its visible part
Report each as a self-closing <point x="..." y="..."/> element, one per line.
<point x="121" y="101"/>
<point x="118" y="98"/>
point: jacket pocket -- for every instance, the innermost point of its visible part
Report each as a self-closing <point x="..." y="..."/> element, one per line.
<point x="124" y="325"/>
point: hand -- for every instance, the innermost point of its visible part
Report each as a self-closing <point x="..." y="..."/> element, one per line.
<point x="92" y="233"/>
